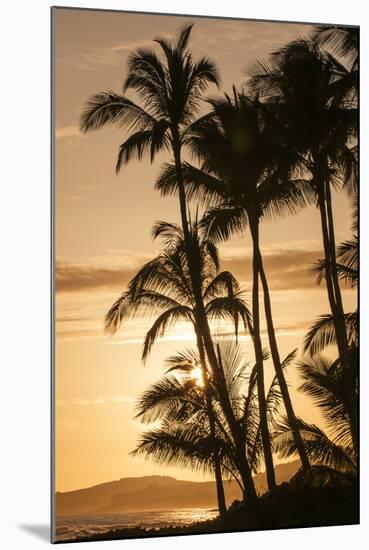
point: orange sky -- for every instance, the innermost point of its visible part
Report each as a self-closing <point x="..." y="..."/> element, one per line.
<point x="103" y="235"/>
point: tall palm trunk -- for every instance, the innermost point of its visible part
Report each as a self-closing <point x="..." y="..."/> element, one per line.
<point x="333" y="288"/>
<point x="340" y="325"/>
<point x="334" y="274"/>
<point x="331" y="276"/>
<point x="265" y="436"/>
<point x="210" y="412"/>
<point x="279" y="370"/>
<point x="235" y="428"/>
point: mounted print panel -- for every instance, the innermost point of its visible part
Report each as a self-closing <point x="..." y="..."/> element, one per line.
<point x="205" y="178"/>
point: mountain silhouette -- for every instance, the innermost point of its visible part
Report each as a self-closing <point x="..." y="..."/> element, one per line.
<point x="150" y="493"/>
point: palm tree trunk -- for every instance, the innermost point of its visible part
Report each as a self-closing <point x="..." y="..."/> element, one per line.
<point x="236" y="431"/>
<point x="235" y="428"/>
<point x="265" y="436"/>
<point x="326" y="216"/>
<point x="339" y="322"/>
<point x="181" y="188"/>
<point x="279" y="370"/>
<point x="243" y="465"/>
<point x="217" y="467"/>
<point x="210" y="412"/>
<point x="336" y="286"/>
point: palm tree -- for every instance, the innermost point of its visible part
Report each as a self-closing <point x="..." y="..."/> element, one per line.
<point x="332" y="386"/>
<point x="342" y="42"/>
<point x="242" y="173"/>
<point x="322" y="333"/>
<point x="162" y="288"/>
<point x="316" y="113"/>
<point x="187" y="436"/>
<point x="182" y="402"/>
<point x="170" y="91"/>
<point x="184" y="435"/>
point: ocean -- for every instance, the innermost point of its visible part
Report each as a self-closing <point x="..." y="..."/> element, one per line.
<point x="69" y="527"/>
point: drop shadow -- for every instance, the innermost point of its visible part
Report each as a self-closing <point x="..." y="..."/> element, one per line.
<point x="40" y="531"/>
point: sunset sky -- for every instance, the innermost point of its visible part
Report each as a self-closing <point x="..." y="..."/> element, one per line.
<point x="103" y="224"/>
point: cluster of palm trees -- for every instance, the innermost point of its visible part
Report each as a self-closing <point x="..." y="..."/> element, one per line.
<point x="277" y="144"/>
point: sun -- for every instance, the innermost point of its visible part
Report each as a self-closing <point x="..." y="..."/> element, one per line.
<point x="196" y="376"/>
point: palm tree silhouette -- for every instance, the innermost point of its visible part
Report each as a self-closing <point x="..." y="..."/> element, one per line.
<point x="243" y="173"/>
<point x="184" y="435"/>
<point x="316" y="109"/>
<point x="322" y="332"/>
<point x="332" y="386"/>
<point x="163" y="288"/>
<point x="185" y="401"/>
<point x="342" y="42"/>
<point x="170" y="92"/>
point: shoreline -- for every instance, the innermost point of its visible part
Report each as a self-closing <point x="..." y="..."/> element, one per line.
<point x="286" y="508"/>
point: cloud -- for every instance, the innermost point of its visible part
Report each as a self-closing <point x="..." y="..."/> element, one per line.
<point x="100" y="58"/>
<point x="74" y="277"/>
<point x="122" y="399"/>
<point x="84" y="402"/>
<point x="261" y="37"/>
<point x="86" y="289"/>
<point x="103" y="400"/>
<point x="67" y="132"/>
<point x="287" y="267"/>
<point x="110" y="271"/>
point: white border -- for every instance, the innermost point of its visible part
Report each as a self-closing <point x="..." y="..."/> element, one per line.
<point x="25" y="227"/>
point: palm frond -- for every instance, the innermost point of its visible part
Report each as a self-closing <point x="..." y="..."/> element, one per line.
<point x="229" y="307"/>
<point x="342" y="41"/>
<point x="163" y="323"/>
<point x="170" y="232"/>
<point x="220" y="223"/>
<point x="322" y="333"/>
<point x="320" y="449"/>
<point x="348" y="253"/>
<point x="108" y="108"/>
<point x="273" y="403"/>
<point x="198" y="183"/>
<point x="223" y="282"/>
<point x="167" y="394"/>
<point x="322" y="476"/>
<point x="119" y="311"/>
<point x="332" y="388"/>
<point x="185" y="361"/>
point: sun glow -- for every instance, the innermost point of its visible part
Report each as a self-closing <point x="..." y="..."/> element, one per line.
<point x="196" y="376"/>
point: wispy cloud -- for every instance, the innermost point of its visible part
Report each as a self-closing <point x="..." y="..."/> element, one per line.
<point x="86" y="290"/>
<point x="84" y="402"/>
<point x="67" y="132"/>
<point x="103" y="400"/>
<point x="96" y="58"/>
<point x="261" y="37"/>
<point x="111" y="271"/>
<point x="122" y="399"/>
<point x="288" y="267"/>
